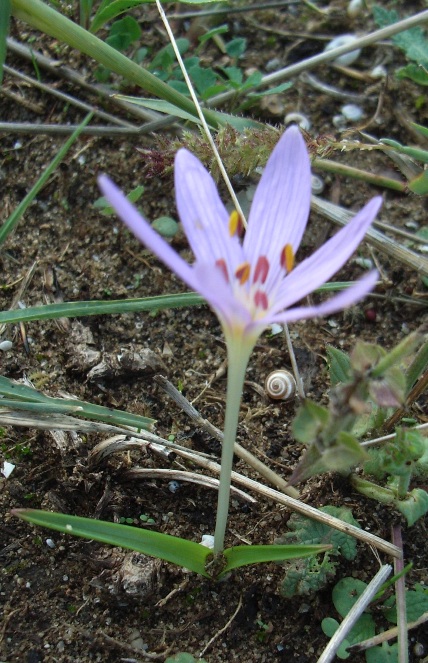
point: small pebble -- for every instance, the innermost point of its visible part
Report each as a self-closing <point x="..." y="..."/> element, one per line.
<point x="352" y="112"/>
<point x="273" y="65"/>
<point x="6" y="345"/>
<point x="7" y="469"/>
<point x="50" y="543"/>
<point x="173" y="486"/>
<point x="207" y="541"/>
<point x="378" y="72"/>
<point x="347" y="58"/>
<point x="300" y="119"/>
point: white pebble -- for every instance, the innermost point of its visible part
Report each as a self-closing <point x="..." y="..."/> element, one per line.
<point x="50" y="543"/>
<point x="352" y="112"/>
<point x="173" y="486"/>
<point x="317" y="184"/>
<point x="300" y="119"/>
<point x="378" y="72"/>
<point x="7" y="469"/>
<point x="208" y="541"/>
<point x="347" y="58"/>
<point x="276" y="329"/>
<point x="6" y="345"/>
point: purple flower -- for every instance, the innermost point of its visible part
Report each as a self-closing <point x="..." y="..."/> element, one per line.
<point x="253" y="283"/>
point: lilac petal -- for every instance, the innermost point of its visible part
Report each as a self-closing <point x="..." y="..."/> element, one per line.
<point x="327" y="260"/>
<point x="145" y="233"/>
<point x="203" y="215"/>
<point x="343" y="300"/>
<point x="280" y="209"/>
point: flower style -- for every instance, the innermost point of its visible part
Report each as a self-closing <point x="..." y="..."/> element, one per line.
<point x="252" y="284"/>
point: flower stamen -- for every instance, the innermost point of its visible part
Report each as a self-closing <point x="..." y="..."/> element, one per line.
<point x="262" y="270"/>
<point x="261" y="300"/>
<point x="235" y="224"/>
<point x="287" y="258"/>
<point x="243" y="272"/>
<point x="221" y="264"/>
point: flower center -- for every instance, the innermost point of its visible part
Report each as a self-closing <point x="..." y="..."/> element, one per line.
<point x="248" y="279"/>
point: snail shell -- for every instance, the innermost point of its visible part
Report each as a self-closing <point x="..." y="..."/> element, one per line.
<point x="280" y="385"/>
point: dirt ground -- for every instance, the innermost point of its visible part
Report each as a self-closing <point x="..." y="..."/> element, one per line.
<point x="57" y="602"/>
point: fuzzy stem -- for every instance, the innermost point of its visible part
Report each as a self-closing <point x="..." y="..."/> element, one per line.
<point x="238" y="352"/>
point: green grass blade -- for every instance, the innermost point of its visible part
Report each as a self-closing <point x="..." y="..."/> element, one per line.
<point x="97" y="307"/>
<point x="46" y="19"/>
<point x="83" y="309"/>
<point x="244" y="555"/>
<point x="19" y="392"/>
<point x="163" y="546"/>
<point x="5" y="9"/>
<point x="10" y="223"/>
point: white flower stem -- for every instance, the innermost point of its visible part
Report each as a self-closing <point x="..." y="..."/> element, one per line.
<point x="238" y="352"/>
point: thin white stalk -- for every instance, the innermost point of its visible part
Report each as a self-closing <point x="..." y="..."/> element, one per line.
<point x="354" y="614"/>
<point x="238" y="354"/>
<point x="200" y="114"/>
<point x="294" y="366"/>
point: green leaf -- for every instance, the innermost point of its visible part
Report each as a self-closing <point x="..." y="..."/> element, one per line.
<point x="346" y="593"/>
<point x="416" y="605"/>
<point x="309" y="421"/>
<point x="419" y="184"/>
<point x="384" y="654"/>
<point x="236" y="47"/>
<point x="219" y="30"/>
<point x="422" y="130"/>
<point x="166" y="226"/>
<point x="109" y="10"/>
<point x="339" y="365"/>
<point x="155" y="544"/>
<point x="106" y="210"/>
<point x="123" y="33"/>
<point x="415" y="72"/>
<point x="414" y="506"/>
<point x="245" y="555"/>
<point x="329" y="627"/>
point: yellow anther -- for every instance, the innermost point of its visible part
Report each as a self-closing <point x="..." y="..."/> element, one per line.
<point x="287" y="258"/>
<point x="235" y="224"/>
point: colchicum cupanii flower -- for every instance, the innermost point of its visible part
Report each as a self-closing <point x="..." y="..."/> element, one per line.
<point x="251" y="283"/>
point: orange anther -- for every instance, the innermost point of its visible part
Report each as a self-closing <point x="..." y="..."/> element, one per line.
<point x="243" y="273"/>
<point x="287" y="258"/>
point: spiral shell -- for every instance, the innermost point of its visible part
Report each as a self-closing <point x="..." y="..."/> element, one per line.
<point x="280" y="385"/>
